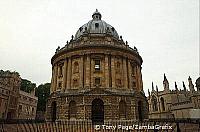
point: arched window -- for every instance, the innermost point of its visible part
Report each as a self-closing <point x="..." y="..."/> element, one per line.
<point x="154" y="103"/>
<point x="162" y="103"/>
<point x="118" y="82"/>
<point x="76" y="67"/>
<point x="75" y="83"/>
<point x="118" y="65"/>
<point x="140" y="111"/>
<point x="133" y="70"/>
<point x="60" y="70"/>
<point x="53" y="111"/>
<point x="122" y="109"/>
<point x="72" y="110"/>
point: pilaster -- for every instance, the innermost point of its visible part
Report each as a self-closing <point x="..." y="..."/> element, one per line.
<point x="113" y="71"/>
<point x="65" y="75"/>
<point x="69" y="69"/>
<point x="81" y="72"/>
<point x="125" y="80"/>
<point x="106" y="72"/>
<point x="56" y="76"/>
<point x="87" y="71"/>
<point x="130" y="75"/>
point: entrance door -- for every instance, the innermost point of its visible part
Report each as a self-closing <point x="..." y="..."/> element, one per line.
<point x="53" y="111"/>
<point x="9" y="115"/>
<point x="140" y="114"/>
<point x="97" y="111"/>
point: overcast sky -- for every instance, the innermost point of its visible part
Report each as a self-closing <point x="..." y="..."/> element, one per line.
<point x="166" y="33"/>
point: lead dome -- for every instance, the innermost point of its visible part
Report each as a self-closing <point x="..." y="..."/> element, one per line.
<point x="96" y="26"/>
<point x="198" y="83"/>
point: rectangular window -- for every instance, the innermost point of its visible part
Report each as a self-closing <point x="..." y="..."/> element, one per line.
<point x="134" y="84"/>
<point x="60" y="85"/>
<point x="61" y="70"/>
<point x="97" y="65"/>
<point x="20" y="108"/>
<point x="97" y="81"/>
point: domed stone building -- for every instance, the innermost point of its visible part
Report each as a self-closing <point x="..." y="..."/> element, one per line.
<point x="198" y="84"/>
<point x="96" y="76"/>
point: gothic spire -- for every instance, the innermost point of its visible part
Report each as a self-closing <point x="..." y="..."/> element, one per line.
<point x="191" y="86"/>
<point x="184" y="87"/>
<point x="149" y="92"/>
<point x="156" y="88"/>
<point x="152" y="87"/>
<point x="165" y="83"/>
<point x="165" y="78"/>
<point x="176" y="87"/>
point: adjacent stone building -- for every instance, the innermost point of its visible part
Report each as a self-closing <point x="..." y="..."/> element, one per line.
<point x="14" y="103"/>
<point x="27" y="105"/>
<point x="178" y="103"/>
<point x="9" y="93"/>
<point x="96" y="76"/>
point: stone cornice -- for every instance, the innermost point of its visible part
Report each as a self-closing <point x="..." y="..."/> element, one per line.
<point x="86" y="49"/>
<point x="103" y="92"/>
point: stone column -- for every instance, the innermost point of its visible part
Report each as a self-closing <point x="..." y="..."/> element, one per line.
<point x="69" y="69"/>
<point x="81" y="72"/>
<point x="139" y="78"/>
<point x="65" y="75"/>
<point x="106" y="72"/>
<point x="52" y="79"/>
<point x="130" y="75"/>
<point x="113" y="71"/>
<point x="125" y="79"/>
<point x="87" y="72"/>
<point x="92" y="73"/>
<point x="56" y="76"/>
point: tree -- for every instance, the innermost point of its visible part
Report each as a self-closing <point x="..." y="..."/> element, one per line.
<point x="27" y="85"/>
<point x="42" y="92"/>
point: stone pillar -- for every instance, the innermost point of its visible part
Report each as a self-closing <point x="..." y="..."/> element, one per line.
<point x="113" y="71"/>
<point x="106" y="72"/>
<point x="84" y="108"/>
<point x="69" y="69"/>
<point x="56" y="76"/>
<point x="125" y="79"/>
<point x="65" y="75"/>
<point x="81" y="72"/>
<point x="52" y="80"/>
<point x="92" y="72"/>
<point x="141" y="82"/>
<point x="140" y="78"/>
<point x="129" y="75"/>
<point x="138" y="75"/>
<point x="87" y="71"/>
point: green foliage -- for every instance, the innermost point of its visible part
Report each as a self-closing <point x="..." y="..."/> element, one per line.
<point x="27" y="85"/>
<point x="42" y="92"/>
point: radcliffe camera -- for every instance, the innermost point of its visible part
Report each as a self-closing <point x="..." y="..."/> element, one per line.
<point x="68" y="67"/>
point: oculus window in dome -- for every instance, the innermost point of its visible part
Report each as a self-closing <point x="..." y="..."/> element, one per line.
<point x="96" y="26"/>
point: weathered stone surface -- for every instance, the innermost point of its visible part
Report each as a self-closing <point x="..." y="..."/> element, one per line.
<point x="97" y="66"/>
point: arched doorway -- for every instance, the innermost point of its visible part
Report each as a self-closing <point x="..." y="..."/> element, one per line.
<point x="53" y="111"/>
<point x="154" y="103"/>
<point x="72" y="110"/>
<point x="162" y="103"/>
<point x="97" y="111"/>
<point x="122" y="109"/>
<point x="140" y="112"/>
